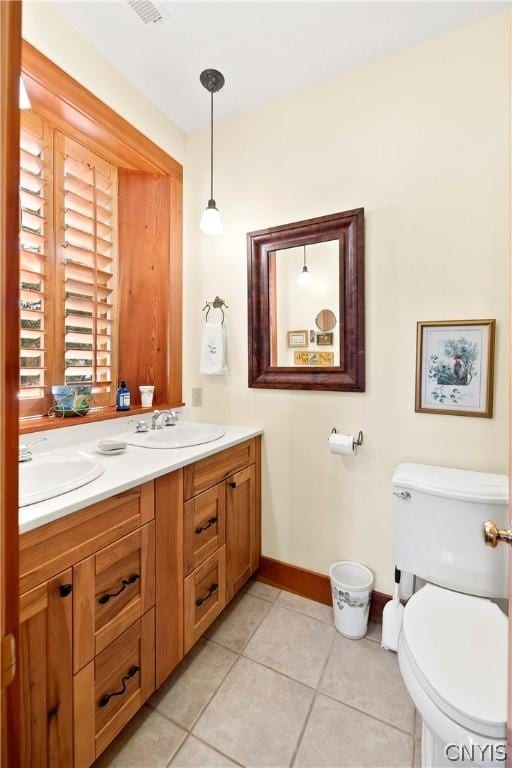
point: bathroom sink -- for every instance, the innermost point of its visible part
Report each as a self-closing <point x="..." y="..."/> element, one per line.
<point x="52" y="474"/>
<point x="179" y="436"/>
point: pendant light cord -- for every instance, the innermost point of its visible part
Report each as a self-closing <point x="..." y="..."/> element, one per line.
<point x="211" y="146"/>
<point x="305" y="257"/>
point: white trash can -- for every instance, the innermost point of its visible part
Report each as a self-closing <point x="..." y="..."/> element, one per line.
<point x="351" y="588"/>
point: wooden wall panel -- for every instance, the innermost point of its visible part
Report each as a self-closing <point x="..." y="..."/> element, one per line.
<point x="10" y="51"/>
<point x="149" y="321"/>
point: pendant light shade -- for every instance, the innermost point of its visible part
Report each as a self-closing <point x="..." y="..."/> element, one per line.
<point x="211" y="223"/>
<point x="304" y="277"/>
<point x="24" y="100"/>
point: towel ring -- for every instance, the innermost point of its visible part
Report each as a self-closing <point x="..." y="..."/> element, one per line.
<point x="217" y="303"/>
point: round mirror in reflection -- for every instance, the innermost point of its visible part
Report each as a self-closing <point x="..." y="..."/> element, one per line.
<point x="326" y="320"/>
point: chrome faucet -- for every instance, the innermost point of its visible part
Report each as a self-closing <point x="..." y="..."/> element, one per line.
<point x="24" y="453"/>
<point x="170" y="419"/>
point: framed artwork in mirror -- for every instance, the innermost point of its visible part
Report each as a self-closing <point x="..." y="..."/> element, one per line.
<point x="325" y="339"/>
<point x="314" y="358"/>
<point x="455" y="367"/>
<point x="308" y="274"/>
<point x="297" y="338"/>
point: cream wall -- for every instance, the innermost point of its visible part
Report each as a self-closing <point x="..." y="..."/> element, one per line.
<point x="54" y="37"/>
<point x="421" y="140"/>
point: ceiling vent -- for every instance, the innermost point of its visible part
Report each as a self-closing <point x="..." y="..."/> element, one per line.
<point x="151" y="14"/>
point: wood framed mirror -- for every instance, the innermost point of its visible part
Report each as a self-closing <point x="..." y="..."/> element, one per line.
<point x="299" y="276"/>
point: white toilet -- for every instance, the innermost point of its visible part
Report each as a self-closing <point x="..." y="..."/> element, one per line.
<point x="453" y="646"/>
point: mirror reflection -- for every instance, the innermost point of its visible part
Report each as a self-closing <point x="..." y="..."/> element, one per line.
<point x="305" y="305"/>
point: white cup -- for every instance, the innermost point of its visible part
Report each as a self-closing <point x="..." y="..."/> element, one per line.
<point x="146" y="396"/>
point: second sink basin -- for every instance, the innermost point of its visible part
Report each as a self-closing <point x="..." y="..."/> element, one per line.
<point x="180" y="436"/>
<point x="52" y="474"/>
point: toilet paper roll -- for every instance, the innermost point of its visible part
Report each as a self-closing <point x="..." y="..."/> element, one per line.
<point x="342" y="445"/>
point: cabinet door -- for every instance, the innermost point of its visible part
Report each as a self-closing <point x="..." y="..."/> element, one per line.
<point x="241" y="533"/>
<point x="204" y="526"/>
<point x="46" y="675"/>
<point x="113" y="589"/>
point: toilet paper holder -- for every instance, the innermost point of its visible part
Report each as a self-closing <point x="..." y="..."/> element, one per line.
<point x="357" y="441"/>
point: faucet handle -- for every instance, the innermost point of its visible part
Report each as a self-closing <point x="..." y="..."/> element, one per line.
<point x="170" y="419"/>
<point x="140" y="426"/>
<point x="24" y="452"/>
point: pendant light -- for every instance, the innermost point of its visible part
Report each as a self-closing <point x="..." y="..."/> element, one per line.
<point x="304" y="276"/>
<point x="211" y="223"/>
<point x="24" y="101"/>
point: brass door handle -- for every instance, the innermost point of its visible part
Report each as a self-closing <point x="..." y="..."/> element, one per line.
<point x="493" y="535"/>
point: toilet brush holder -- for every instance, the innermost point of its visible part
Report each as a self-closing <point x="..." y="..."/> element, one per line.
<point x="392" y="617"/>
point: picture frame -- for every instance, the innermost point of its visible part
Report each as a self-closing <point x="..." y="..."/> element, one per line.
<point x="317" y="359"/>
<point x="297" y="339"/>
<point x="455" y="367"/>
<point x="325" y="339"/>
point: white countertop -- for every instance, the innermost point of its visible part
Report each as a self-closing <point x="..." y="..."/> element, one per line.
<point x="126" y="470"/>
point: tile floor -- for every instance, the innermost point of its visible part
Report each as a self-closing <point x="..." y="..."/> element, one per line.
<point x="273" y="684"/>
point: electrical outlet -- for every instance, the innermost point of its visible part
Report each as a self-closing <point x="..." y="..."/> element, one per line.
<point x="197" y="396"/>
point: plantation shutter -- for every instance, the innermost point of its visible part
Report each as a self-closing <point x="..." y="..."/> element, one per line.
<point x="36" y="243"/>
<point x="86" y="236"/>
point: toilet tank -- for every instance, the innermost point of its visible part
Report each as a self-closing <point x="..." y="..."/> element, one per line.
<point x="439" y="516"/>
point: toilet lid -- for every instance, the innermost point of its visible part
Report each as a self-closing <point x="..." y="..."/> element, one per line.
<point x="458" y="648"/>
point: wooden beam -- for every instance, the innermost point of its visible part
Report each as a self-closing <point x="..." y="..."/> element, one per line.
<point x="67" y="104"/>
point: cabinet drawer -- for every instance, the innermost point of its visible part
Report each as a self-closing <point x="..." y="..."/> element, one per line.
<point x="204" y="526"/>
<point x="212" y="470"/>
<point x="109" y="690"/>
<point x="46" y="551"/>
<point x="112" y="589"/>
<point x="205" y="596"/>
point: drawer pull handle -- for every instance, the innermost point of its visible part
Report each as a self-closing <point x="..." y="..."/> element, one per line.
<point x="211" y="591"/>
<point x="232" y="484"/>
<point x="203" y="528"/>
<point x="124" y="583"/>
<point x="65" y="589"/>
<point x="107" y="696"/>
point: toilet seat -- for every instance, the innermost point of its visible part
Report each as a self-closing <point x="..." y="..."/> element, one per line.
<point x="456" y="647"/>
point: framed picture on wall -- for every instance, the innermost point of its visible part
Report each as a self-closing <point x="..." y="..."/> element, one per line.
<point x="297" y="338"/>
<point x="455" y="367"/>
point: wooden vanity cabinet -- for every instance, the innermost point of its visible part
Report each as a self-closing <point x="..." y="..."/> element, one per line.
<point x="66" y="568"/>
<point x="114" y="595"/>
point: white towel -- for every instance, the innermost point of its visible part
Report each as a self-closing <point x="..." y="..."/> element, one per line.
<point x="213" y="350"/>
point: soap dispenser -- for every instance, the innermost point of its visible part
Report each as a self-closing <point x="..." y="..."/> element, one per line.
<point x="122" y="397"/>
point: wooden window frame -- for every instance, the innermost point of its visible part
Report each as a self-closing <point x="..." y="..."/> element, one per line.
<point x="72" y="109"/>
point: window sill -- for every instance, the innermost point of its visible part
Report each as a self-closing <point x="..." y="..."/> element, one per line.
<point x="42" y="423"/>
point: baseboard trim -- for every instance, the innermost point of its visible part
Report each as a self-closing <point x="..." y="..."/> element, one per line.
<point x="310" y="584"/>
